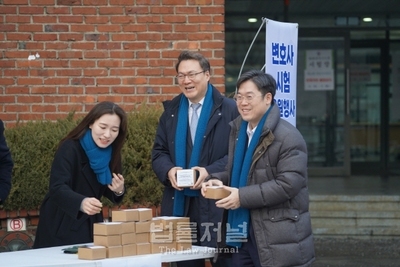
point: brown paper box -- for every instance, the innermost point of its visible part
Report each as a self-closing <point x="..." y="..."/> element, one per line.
<point x="142" y="227"/>
<point x="162" y="236"/>
<point x="166" y="222"/>
<point x="183" y="235"/>
<point x="145" y="214"/>
<point x="128" y="238"/>
<point x="129" y="250"/>
<point x="142" y="238"/>
<point x="114" y="252"/>
<point x="127" y="215"/>
<point x="143" y="248"/>
<point x="107" y="240"/>
<point x="127" y="227"/>
<point x="92" y="253"/>
<point x="216" y="192"/>
<point x="157" y="224"/>
<point x="163" y="247"/>
<point x="109" y="228"/>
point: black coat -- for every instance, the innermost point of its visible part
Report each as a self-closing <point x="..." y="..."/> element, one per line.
<point x="6" y="166"/>
<point x="213" y="155"/>
<point x="71" y="180"/>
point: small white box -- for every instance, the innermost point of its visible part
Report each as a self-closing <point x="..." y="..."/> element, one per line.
<point x="185" y="178"/>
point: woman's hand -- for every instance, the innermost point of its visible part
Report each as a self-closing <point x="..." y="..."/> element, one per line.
<point x="117" y="184"/>
<point x="91" y="206"/>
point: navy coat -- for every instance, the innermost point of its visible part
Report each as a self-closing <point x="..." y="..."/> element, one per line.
<point x="71" y="180"/>
<point x="213" y="156"/>
<point x="6" y="166"/>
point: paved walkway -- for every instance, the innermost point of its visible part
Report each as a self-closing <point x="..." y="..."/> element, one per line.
<point x="352" y="252"/>
<point x="334" y="252"/>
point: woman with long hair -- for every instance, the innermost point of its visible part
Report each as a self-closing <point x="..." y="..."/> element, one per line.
<point x="87" y="166"/>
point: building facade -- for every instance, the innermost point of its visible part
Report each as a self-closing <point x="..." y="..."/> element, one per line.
<point x="59" y="56"/>
<point x="351" y="127"/>
<point x="66" y="55"/>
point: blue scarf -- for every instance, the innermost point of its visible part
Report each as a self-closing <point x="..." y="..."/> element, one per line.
<point x="181" y="144"/>
<point x="239" y="218"/>
<point x="99" y="158"/>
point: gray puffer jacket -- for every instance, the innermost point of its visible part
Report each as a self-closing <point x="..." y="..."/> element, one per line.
<point x="276" y="193"/>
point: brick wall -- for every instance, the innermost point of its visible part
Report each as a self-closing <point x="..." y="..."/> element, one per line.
<point x="94" y="50"/>
<point x="18" y="240"/>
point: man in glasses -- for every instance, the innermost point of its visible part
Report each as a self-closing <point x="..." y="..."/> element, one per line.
<point x="267" y="179"/>
<point x="193" y="133"/>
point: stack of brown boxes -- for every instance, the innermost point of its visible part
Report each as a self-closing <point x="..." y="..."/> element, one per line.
<point x="106" y="242"/>
<point x="109" y="236"/>
<point x="137" y="232"/>
<point x="169" y="233"/>
<point x="141" y="218"/>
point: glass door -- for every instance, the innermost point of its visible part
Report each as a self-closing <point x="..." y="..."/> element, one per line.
<point x="322" y="102"/>
<point x="365" y="109"/>
<point x="369" y="117"/>
<point x="394" y="110"/>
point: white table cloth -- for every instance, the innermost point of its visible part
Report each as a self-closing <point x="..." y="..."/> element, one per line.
<point x="55" y="257"/>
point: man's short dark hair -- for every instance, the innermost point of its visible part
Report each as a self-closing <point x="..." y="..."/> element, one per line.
<point x="191" y="55"/>
<point x="264" y="81"/>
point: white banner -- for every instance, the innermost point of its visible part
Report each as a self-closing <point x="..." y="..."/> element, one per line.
<point x="281" y="62"/>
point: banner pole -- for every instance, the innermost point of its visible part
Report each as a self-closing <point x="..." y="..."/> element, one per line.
<point x="251" y="45"/>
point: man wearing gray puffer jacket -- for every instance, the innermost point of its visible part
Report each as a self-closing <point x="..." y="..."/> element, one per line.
<point x="266" y="221"/>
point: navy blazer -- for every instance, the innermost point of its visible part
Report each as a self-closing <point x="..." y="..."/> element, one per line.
<point x="6" y="166"/>
<point x="213" y="154"/>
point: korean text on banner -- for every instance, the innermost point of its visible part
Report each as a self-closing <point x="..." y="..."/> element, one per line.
<point x="281" y="62"/>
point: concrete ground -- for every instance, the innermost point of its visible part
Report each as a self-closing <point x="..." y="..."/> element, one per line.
<point x="352" y="252"/>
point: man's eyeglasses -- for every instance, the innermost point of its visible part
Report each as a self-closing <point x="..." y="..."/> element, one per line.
<point x="181" y="77"/>
<point x="249" y="98"/>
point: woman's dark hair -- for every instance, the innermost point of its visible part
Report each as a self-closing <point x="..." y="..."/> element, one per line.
<point x="105" y="107"/>
<point x="191" y="55"/>
<point x="264" y="81"/>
